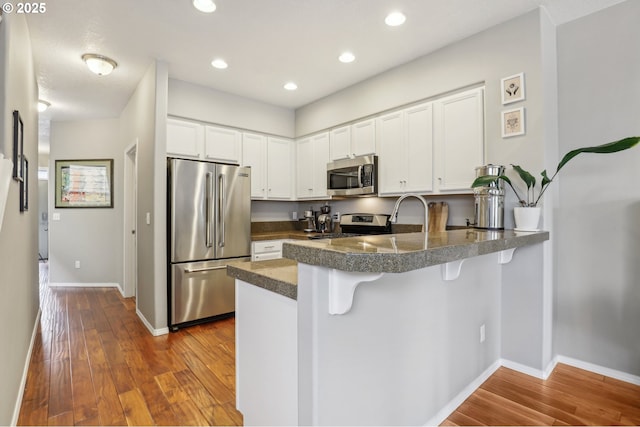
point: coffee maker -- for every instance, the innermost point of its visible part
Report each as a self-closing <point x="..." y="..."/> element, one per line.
<point x="489" y="200"/>
<point x="324" y="223"/>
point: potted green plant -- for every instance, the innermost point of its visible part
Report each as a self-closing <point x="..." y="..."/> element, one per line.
<point x="531" y="200"/>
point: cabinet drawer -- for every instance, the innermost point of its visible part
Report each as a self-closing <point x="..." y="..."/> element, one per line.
<point x="267" y="246"/>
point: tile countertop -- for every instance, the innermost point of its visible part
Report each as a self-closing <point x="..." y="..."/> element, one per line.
<point x="397" y="253"/>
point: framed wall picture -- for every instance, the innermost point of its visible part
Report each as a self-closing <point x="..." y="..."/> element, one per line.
<point x="24" y="186"/>
<point x="18" y="146"/>
<point x="512" y="88"/>
<point x="513" y="122"/>
<point x="84" y="183"/>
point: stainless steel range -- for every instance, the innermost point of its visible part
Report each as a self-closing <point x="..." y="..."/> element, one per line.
<point x="359" y="224"/>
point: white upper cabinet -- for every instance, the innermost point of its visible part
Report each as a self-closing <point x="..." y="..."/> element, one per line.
<point x="405" y="144"/>
<point x="353" y="140"/>
<point x="340" y="139"/>
<point x="312" y="156"/>
<point x="363" y="137"/>
<point x="280" y="168"/>
<point x="184" y="139"/>
<point x="222" y="144"/>
<point x="459" y="139"/>
<point x="254" y="155"/>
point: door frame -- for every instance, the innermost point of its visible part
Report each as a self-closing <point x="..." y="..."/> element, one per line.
<point x="130" y="223"/>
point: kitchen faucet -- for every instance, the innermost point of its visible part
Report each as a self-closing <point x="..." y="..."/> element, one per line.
<point x="394" y="214"/>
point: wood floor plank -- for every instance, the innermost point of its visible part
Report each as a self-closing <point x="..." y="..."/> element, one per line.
<point x="60" y="395"/>
<point x="135" y="408"/>
<point x="64" y="419"/>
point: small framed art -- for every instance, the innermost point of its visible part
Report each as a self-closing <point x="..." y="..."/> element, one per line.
<point x="512" y="88"/>
<point x="84" y="183"/>
<point x="513" y="122"/>
<point x="18" y="146"/>
<point x="24" y="185"/>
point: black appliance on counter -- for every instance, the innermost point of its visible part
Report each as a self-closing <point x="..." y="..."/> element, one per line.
<point x="360" y="224"/>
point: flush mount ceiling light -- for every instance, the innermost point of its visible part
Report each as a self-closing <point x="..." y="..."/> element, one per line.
<point x="290" y="86"/>
<point x="98" y="64"/>
<point x="395" y="19"/>
<point x="347" y="57"/>
<point x="43" y="105"/>
<point x="206" y="6"/>
<point x="220" y="64"/>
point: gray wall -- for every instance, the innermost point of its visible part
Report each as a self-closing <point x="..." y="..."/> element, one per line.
<point x="597" y="311"/>
<point x="91" y="236"/>
<point x="19" y="234"/>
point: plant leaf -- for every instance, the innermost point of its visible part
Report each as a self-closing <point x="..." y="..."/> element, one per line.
<point x="611" y="147"/>
<point x="545" y="178"/>
<point x="484" y="181"/>
<point x="528" y="179"/>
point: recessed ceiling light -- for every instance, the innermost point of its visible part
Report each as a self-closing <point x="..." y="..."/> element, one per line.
<point x="98" y="64"/>
<point x="43" y="105"/>
<point x="206" y="6"/>
<point x="219" y="63"/>
<point x="394" y="19"/>
<point x="347" y="57"/>
<point x="291" y="86"/>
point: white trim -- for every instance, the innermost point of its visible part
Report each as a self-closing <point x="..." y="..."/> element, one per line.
<point x="84" y="285"/>
<point x="154" y="332"/>
<point x="453" y="404"/>
<point x="607" y="372"/>
<point x="25" y="371"/>
<point x="527" y="370"/>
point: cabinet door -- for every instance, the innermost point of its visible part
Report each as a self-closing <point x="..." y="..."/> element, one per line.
<point x="320" y="159"/>
<point x="459" y="143"/>
<point x="280" y="168"/>
<point x="304" y="166"/>
<point x="418" y="132"/>
<point x="363" y="137"/>
<point x="392" y="162"/>
<point x="222" y="144"/>
<point x="184" y="139"/>
<point x="254" y="155"/>
<point x="340" y="143"/>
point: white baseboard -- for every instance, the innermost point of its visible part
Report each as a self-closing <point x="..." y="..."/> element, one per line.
<point x="25" y="371"/>
<point x="524" y="369"/>
<point x="607" y="372"/>
<point x="448" y="409"/>
<point x="154" y="332"/>
<point x="83" y="285"/>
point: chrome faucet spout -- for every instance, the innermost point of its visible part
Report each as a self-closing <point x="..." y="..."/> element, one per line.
<point x="394" y="213"/>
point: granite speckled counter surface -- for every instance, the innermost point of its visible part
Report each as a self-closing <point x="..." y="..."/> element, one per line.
<point x="276" y="275"/>
<point x="397" y="253"/>
<point x="390" y="253"/>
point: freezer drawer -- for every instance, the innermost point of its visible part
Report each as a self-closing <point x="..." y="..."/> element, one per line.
<point x="200" y="290"/>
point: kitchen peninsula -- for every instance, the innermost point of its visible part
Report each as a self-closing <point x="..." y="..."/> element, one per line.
<point x="389" y="329"/>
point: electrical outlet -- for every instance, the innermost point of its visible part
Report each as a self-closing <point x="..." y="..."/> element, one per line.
<point x="77" y="264"/>
<point x="482" y="333"/>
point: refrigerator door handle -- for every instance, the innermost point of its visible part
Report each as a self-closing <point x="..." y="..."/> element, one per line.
<point x="221" y="208"/>
<point x="208" y="208"/>
<point x="198" y="270"/>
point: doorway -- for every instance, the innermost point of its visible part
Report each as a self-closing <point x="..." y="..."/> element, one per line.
<point x="130" y="273"/>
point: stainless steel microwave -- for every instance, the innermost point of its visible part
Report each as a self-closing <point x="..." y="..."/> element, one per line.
<point x="353" y="177"/>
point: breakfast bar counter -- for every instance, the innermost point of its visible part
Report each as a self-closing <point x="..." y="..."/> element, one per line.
<point x="387" y="329"/>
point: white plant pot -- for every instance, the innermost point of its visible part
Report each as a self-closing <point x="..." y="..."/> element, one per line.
<point x="527" y="219"/>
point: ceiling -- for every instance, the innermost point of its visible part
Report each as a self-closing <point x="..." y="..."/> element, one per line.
<point x="265" y="42"/>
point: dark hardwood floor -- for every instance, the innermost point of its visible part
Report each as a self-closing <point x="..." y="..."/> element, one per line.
<point x="94" y="363"/>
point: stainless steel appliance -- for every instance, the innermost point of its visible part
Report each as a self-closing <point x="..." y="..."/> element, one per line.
<point x="209" y="207"/>
<point x="359" y="224"/>
<point x="353" y="177"/>
<point x="489" y="200"/>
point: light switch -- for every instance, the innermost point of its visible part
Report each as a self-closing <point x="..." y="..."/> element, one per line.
<point x="148" y="218"/>
<point x="55" y="216"/>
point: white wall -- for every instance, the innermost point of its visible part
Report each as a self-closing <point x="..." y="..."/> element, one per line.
<point x="91" y="236"/>
<point x="19" y="234"/>
<point x="196" y="102"/>
<point x="597" y="310"/>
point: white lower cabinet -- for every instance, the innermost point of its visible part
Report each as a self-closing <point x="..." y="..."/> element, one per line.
<point x="267" y="249"/>
<point x="312" y="156"/>
<point x="272" y="166"/>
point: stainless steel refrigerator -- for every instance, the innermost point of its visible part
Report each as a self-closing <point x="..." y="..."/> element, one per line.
<point x="209" y="225"/>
